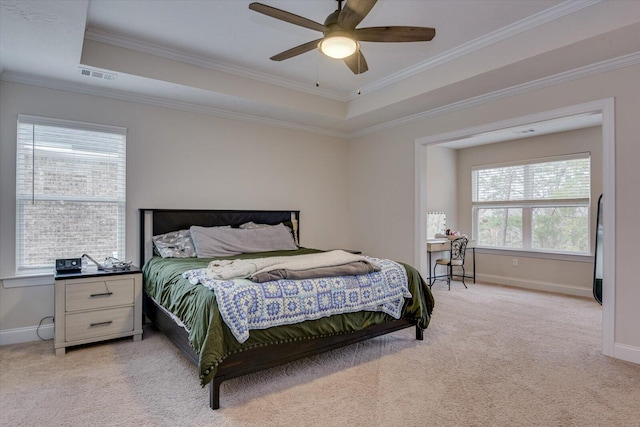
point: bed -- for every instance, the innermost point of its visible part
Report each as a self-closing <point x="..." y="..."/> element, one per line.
<point x="189" y="316"/>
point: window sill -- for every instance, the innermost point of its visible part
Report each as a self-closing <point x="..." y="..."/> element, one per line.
<point x="535" y="254"/>
<point x="22" y="281"/>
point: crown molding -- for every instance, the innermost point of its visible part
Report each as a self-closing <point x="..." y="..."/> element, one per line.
<point x="157" y="101"/>
<point x="533" y="21"/>
<point x="564" y="77"/>
<point x="205" y="62"/>
<point x="525" y="24"/>
<point x="556" y="79"/>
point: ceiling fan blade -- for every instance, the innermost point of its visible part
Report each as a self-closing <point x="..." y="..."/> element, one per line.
<point x="287" y="17"/>
<point x="354" y="12"/>
<point x="295" y="51"/>
<point x="352" y="63"/>
<point x="395" y="34"/>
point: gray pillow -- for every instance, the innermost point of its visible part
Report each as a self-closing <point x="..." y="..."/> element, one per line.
<point x="176" y="244"/>
<point x="224" y="241"/>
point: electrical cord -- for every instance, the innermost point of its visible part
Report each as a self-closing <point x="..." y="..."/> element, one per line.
<point x="110" y="263"/>
<point x="40" y="324"/>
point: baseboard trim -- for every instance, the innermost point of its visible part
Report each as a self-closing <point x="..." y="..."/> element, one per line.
<point x="535" y="285"/>
<point x="28" y="334"/>
<point x="626" y="353"/>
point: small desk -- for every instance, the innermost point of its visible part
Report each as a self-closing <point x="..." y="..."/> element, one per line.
<point x="444" y="245"/>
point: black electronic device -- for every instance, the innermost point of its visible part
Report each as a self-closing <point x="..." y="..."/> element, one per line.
<point x="68" y="265"/>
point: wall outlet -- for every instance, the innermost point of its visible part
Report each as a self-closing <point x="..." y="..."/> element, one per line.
<point x="514" y="262"/>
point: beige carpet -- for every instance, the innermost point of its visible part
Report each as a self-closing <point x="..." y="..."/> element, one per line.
<point x="493" y="356"/>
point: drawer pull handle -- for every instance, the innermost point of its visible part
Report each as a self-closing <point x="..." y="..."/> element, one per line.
<point x="101" y="323"/>
<point x="104" y="294"/>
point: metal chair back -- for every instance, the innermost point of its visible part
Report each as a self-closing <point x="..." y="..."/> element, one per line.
<point x="458" y="248"/>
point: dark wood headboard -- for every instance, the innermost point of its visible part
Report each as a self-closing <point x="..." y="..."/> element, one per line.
<point x="160" y="221"/>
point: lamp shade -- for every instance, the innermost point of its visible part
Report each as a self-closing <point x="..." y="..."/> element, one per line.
<point x="338" y="46"/>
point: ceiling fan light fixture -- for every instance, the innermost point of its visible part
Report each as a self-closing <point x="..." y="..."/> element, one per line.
<point x="338" y="46"/>
<point x="341" y="35"/>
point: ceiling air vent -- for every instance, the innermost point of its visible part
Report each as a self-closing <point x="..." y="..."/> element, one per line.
<point x="97" y="74"/>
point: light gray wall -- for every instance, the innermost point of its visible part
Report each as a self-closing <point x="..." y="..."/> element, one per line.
<point x="395" y="149"/>
<point x="178" y="159"/>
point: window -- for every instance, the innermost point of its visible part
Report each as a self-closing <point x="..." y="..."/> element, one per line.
<point x="540" y="205"/>
<point x="70" y="191"/>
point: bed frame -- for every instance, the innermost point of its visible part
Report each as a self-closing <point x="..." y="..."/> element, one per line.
<point x="160" y="221"/>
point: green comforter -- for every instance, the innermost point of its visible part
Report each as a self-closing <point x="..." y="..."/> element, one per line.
<point x="196" y="306"/>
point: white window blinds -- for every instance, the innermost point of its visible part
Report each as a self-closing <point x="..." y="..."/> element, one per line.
<point x="567" y="178"/>
<point x="70" y="191"/>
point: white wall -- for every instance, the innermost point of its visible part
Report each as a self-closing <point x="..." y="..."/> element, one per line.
<point x="394" y="215"/>
<point x="442" y="182"/>
<point x="177" y="159"/>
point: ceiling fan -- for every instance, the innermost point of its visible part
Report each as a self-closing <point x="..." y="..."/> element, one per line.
<point x="341" y="38"/>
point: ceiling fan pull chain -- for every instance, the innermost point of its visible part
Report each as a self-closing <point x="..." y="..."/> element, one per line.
<point x="359" y="73"/>
<point x="318" y="69"/>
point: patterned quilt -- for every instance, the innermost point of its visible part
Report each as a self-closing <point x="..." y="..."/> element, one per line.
<point x="245" y="305"/>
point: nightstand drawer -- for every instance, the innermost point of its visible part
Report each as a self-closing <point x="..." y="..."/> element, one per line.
<point x="99" y="294"/>
<point x="99" y="323"/>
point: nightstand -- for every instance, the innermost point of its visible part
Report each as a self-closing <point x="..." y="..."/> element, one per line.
<point x="96" y="305"/>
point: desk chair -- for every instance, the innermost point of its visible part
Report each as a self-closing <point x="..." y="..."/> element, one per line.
<point x="456" y="259"/>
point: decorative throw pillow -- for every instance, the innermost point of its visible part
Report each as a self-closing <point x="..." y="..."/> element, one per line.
<point x="176" y="244"/>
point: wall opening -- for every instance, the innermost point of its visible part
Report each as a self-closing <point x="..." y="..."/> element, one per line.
<point x="604" y="108"/>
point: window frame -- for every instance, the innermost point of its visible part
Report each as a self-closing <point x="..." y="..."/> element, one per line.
<point x="527" y="207"/>
<point x="21" y="269"/>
